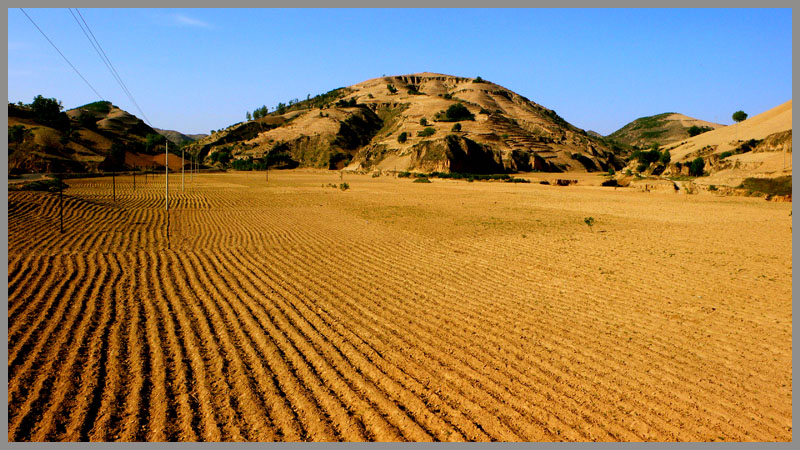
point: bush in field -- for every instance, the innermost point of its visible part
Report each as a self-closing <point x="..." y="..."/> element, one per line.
<point x="422" y="180"/>
<point x="344" y="186"/>
<point x="590" y="222"/>
<point x="456" y="127"/>
<point x="423" y="122"/>
<point x="402" y="137"/>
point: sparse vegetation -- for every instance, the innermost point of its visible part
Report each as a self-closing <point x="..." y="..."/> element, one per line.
<point x="391" y="88"/>
<point x="344" y="186"/>
<point x="422" y="180"/>
<point x="402" y="137"/>
<point x="48" y="185"/>
<point x="769" y="186"/>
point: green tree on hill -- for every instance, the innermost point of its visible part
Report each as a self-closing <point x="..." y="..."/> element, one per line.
<point x="48" y="111"/>
<point x="739" y="116"/>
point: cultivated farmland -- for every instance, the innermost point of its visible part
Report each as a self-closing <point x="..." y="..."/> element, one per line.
<point x="292" y="310"/>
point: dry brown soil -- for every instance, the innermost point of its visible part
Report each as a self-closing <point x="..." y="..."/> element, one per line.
<point x="396" y="311"/>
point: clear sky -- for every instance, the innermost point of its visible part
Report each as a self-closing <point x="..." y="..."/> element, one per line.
<point x="194" y="70"/>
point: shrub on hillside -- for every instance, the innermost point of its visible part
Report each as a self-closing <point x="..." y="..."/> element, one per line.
<point x="17" y="133"/>
<point x="426" y="132"/>
<point x="456" y="112"/>
<point x="697" y="167"/>
<point x="346" y="103"/>
<point x="456" y="127"/>
<point x="694" y="130"/>
<point x="402" y="137"/>
<point x="422" y="180"/>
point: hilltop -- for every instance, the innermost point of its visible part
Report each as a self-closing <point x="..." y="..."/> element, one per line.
<point x="422" y="121"/>
<point x="660" y="129"/>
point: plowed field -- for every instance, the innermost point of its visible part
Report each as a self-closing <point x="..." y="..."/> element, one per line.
<point x="396" y="311"/>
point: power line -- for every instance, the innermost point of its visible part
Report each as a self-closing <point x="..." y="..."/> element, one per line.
<point x="62" y="55"/>
<point x="107" y="61"/>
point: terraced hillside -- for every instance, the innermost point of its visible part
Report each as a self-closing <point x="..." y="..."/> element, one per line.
<point x="291" y="310"/>
<point x="402" y="122"/>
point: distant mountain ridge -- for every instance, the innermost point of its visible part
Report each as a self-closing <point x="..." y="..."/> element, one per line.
<point x="176" y="137"/>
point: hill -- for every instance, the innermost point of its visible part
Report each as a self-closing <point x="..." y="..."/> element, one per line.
<point x="759" y="147"/>
<point x="423" y="121"/>
<point x="77" y="140"/>
<point x="659" y="129"/>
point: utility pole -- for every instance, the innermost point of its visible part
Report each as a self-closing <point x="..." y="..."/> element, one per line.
<point x="166" y="185"/>
<point x="166" y="176"/>
<point x="61" y="202"/>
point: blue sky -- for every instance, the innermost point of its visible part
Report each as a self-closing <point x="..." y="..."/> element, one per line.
<point x="194" y="70"/>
